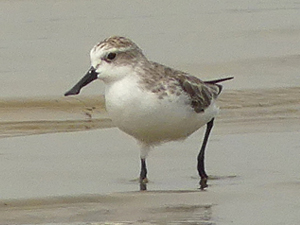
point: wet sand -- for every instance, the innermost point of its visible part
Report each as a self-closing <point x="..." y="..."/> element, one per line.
<point x="83" y="177"/>
<point x="79" y="177"/>
<point x="239" y="108"/>
<point x="63" y="162"/>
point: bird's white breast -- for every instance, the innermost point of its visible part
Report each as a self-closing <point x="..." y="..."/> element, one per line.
<point x="141" y="114"/>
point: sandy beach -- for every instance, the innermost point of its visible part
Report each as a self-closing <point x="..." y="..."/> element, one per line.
<point x="63" y="161"/>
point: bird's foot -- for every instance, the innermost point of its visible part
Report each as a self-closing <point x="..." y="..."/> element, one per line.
<point x="143" y="184"/>
<point x="203" y="183"/>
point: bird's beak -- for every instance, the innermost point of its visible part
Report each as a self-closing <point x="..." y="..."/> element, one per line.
<point x="88" y="78"/>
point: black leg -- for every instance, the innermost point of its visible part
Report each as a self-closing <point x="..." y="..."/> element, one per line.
<point x="143" y="176"/>
<point x="200" y="166"/>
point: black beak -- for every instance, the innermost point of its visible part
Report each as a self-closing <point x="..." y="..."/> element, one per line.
<point x="88" y="78"/>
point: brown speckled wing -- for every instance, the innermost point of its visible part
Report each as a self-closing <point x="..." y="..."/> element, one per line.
<point x="201" y="93"/>
<point x="158" y="78"/>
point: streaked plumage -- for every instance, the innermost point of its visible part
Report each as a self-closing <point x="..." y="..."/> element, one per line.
<point x="149" y="101"/>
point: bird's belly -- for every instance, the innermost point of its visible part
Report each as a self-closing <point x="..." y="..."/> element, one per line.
<point x="152" y="120"/>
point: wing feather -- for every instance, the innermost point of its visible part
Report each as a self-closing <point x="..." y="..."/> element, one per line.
<point x="200" y="92"/>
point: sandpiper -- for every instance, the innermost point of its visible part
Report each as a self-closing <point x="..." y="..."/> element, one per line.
<point x="151" y="102"/>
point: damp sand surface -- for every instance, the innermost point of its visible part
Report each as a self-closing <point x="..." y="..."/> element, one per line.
<point x="76" y="168"/>
<point x="63" y="161"/>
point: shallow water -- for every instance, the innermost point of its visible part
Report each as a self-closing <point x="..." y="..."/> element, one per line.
<point x="85" y="177"/>
<point x="257" y="176"/>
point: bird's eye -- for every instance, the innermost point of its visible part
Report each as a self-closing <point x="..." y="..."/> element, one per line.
<point x="110" y="56"/>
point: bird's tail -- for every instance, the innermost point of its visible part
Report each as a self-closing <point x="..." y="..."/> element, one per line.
<point x="218" y="80"/>
<point x="214" y="82"/>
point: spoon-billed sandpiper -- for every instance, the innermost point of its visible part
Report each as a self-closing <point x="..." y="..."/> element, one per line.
<point x="151" y="102"/>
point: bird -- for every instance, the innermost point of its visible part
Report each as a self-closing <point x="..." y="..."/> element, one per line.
<point x="151" y="102"/>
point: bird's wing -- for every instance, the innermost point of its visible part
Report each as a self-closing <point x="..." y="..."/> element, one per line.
<point x="201" y="92"/>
